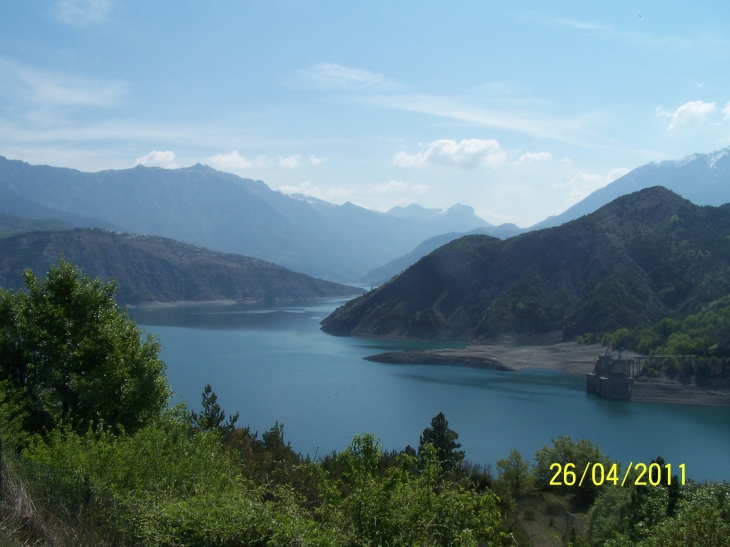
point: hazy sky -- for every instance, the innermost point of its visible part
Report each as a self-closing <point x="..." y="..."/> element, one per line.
<point x="517" y="109"/>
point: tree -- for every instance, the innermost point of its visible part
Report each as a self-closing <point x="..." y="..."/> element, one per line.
<point x="515" y="472"/>
<point x="444" y="441"/>
<point x="580" y="454"/>
<point x="72" y="356"/>
<point x="212" y="416"/>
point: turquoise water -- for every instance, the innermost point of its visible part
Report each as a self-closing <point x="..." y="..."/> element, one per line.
<point x="275" y="364"/>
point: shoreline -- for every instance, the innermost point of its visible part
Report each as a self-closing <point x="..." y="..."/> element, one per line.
<point x="567" y="357"/>
<point x="224" y="302"/>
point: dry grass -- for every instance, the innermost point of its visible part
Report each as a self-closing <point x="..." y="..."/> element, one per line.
<point x="28" y="518"/>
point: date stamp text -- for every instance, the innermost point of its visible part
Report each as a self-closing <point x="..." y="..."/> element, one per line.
<point x="644" y="475"/>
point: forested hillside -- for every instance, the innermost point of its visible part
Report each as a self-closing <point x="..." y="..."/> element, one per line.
<point x="632" y="262"/>
<point x="156" y="269"/>
<point x="12" y="225"/>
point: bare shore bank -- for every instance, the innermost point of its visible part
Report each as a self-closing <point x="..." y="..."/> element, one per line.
<point x="566" y="357"/>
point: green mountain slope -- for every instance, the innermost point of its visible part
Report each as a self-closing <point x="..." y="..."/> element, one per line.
<point x="631" y="262"/>
<point x="11" y="224"/>
<point x="156" y="269"/>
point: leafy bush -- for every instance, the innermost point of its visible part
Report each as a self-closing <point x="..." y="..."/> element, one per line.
<point x="69" y="356"/>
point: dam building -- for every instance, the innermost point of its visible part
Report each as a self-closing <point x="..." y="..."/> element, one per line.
<point x="613" y="377"/>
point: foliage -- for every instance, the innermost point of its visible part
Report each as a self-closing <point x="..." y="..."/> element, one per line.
<point x="516" y="473"/>
<point x="70" y="356"/>
<point x="212" y="416"/>
<point x="403" y="508"/>
<point x="563" y="451"/>
<point x="443" y="439"/>
<point x="174" y="485"/>
<point x="177" y="486"/>
<point x="705" y="335"/>
<point x="701" y="519"/>
<point x="604" y="518"/>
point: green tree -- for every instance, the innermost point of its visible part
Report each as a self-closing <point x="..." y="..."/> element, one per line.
<point x="580" y="454"/>
<point x="71" y="356"/>
<point x="443" y="440"/>
<point x="515" y="472"/>
<point x="213" y="416"/>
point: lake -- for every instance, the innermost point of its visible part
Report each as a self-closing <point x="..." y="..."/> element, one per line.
<point x="275" y="364"/>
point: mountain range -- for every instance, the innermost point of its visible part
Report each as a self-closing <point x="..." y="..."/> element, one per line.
<point x="156" y="269"/>
<point x="348" y="243"/>
<point x="226" y="213"/>
<point x="639" y="258"/>
<point x="704" y="179"/>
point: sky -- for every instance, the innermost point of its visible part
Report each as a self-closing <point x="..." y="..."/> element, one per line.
<point x="519" y="109"/>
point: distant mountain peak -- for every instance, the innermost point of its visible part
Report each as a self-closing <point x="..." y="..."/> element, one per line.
<point x="704" y="179"/>
<point x="414" y="211"/>
<point x="459" y="209"/>
<point x="711" y="159"/>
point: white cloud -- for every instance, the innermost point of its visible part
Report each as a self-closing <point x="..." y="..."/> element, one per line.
<point x="578" y="130"/>
<point x="291" y="162"/>
<point x="609" y="32"/>
<point x="398" y="186"/>
<point x="55" y="89"/>
<point x="582" y="184"/>
<point x="156" y="158"/>
<point x="690" y="112"/>
<point x="726" y="112"/>
<point x="233" y="160"/>
<point x="82" y="12"/>
<point x="335" y="195"/>
<point x="531" y="157"/>
<point x="333" y="75"/>
<point x="466" y="153"/>
<point x="315" y="161"/>
<point x="644" y="39"/>
<point x="616" y="173"/>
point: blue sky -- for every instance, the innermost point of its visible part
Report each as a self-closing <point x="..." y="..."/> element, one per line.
<point x="514" y="108"/>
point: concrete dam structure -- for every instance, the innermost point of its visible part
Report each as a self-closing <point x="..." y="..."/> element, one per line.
<point x="613" y="377"/>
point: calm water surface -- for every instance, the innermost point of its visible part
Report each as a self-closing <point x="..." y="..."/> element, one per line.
<point x="275" y="364"/>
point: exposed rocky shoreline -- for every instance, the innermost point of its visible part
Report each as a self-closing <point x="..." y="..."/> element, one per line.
<point x="667" y="390"/>
<point x="436" y="358"/>
<point x="567" y="357"/>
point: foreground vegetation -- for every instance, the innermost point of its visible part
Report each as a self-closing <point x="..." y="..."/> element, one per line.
<point x="93" y="456"/>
